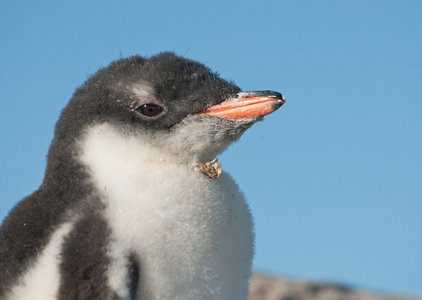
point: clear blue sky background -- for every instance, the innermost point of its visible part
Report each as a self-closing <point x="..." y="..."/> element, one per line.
<point x="334" y="178"/>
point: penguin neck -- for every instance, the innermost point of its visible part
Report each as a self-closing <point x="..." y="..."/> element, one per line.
<point x="104" y="145"/>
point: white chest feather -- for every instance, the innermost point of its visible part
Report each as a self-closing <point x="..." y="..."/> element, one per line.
<point x="192" y="235"/>
<point x="41" y="282"/>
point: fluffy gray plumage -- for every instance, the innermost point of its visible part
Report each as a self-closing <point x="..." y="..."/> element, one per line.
<point x="72" y="208"/>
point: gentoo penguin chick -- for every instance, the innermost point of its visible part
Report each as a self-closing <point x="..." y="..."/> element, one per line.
<point x="129" y="207"/>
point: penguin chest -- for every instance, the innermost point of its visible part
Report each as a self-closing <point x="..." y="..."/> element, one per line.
<point x="190" y="236"/>
<point x="191" y="239"/>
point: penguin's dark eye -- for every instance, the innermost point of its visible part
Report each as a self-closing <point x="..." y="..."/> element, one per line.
<point x="150" y="110"/>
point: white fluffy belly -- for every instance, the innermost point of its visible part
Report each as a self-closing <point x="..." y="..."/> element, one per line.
<point x="191" y="235"/>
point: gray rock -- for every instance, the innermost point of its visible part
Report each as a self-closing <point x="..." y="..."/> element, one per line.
<point x="272" y="288"/>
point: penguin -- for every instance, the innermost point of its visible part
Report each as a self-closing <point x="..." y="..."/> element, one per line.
<point x="133" y="204"/>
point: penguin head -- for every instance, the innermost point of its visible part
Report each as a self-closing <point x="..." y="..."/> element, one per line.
<point x="167" y="101"/>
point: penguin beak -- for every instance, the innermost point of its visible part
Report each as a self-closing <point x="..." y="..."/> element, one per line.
<point x="247" y="105"/>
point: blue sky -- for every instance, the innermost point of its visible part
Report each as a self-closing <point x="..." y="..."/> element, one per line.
<point x="334" y="178"/>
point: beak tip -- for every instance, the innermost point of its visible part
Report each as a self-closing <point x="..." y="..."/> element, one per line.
<point x="277" y="104"/>
<point x="277" y="96"/>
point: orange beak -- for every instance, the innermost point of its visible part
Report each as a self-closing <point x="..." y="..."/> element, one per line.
<point x="247" y="105"/>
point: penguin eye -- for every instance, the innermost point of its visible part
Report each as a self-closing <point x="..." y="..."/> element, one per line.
<point x="150" y="110"/>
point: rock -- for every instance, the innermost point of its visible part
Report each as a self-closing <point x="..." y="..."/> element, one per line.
<point x="272" y="288"/>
